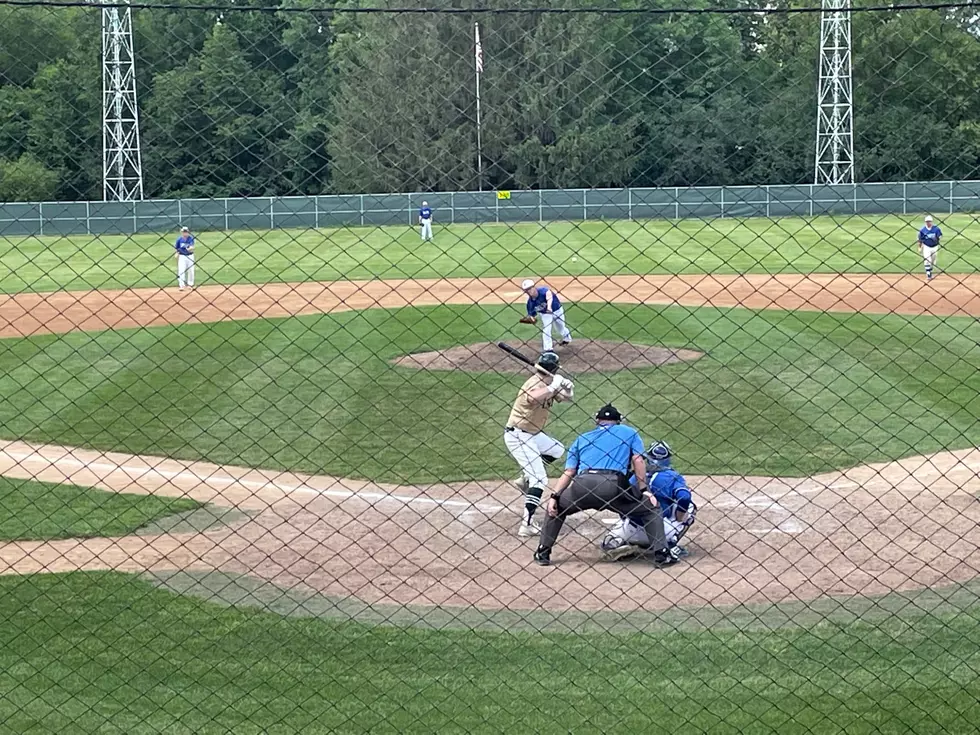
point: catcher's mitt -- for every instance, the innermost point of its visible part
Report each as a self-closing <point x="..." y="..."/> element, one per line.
<point x="526" y="320"/>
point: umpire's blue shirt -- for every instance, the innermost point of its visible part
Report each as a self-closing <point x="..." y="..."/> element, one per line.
<point x="607" y="447"/>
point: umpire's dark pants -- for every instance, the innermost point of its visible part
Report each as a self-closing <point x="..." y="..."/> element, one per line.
<point x="601" y="491"/>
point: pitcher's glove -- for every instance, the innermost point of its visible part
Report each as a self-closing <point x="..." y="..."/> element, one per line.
<point x="527" y="320"/>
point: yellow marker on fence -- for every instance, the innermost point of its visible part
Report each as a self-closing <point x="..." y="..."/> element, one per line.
<point x="503" y="195"/>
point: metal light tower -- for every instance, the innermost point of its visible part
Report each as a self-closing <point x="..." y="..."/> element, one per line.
<point x="122" y="161"/>
<point x="835" y="110"/>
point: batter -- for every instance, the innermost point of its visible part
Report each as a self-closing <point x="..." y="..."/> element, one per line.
<point x="524" y="434"/>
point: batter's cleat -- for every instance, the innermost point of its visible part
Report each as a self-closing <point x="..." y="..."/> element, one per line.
<point x="623" y="551"/>
<point x="521" y="484"/>
<point x="680" y="552"/>
<point x="542" y="557"/>
<point x="528" y="529"/>
<point x="665" y="557"/>
<point x="564" y="343"/>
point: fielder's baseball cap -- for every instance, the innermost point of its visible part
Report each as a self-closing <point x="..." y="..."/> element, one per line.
<point x="526" y="284"/>
<point x="928" y="218"/>
<point x="185" y="229"/>
<point x="608" y="413"/>
<point x="425" y="204"/>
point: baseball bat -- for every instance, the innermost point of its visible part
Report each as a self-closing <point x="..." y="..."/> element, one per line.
<point x="515" y="353"/>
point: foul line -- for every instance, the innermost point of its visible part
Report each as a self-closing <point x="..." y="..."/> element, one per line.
<point x="140" y="472"/>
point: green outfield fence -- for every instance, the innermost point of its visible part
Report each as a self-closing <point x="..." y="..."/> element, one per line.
<point x="279" y="484"/>
<point x="471" y="207"/>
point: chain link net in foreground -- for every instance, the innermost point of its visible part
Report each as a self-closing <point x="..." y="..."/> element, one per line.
<point x="266" y="474"/>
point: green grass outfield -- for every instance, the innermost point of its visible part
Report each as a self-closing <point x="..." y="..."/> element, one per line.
<point x="102" y="652"/>
<point x="42" y="511"/>
<point x="857" y="244"/>
<point x="782" y="393"/>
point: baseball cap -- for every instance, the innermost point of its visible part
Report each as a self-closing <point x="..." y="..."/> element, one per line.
<point x="425" y="204"/>
<point x="608" y="413"/>
<point x="928" y="218"/>
<point x="185" y="229"/>
<point x="526" y="284"/>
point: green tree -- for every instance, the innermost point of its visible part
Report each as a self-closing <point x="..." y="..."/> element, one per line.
<point x="64" y="125"/>
<point x="401" y="104"/>
<point x="215" y="124"/>
<point x="26" y="179"/>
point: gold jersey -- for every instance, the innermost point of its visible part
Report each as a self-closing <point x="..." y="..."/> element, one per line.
<point x="526" y="415"/>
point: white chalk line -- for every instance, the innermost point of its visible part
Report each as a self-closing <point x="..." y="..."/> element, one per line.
<point x="140" y="472"/>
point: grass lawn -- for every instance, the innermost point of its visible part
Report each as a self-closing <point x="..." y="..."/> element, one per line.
<point x="103" y="652"/>
<point x="786" y="393"/>
<point x="789" y="245"/>
<point x="42" y="510"/>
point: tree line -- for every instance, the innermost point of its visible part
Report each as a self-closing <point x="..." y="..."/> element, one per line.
<point x="266" y="102"/>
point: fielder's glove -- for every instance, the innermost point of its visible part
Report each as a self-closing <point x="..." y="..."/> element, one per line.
<point x="527" y="320"/>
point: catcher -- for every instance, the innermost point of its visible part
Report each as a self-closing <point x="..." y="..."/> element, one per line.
<point x="669" y="487"/>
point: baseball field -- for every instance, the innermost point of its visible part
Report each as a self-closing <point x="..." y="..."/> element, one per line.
<point x="237" y="509"/>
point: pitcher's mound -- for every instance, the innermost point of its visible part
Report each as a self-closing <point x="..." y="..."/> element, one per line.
<point x="581" y="356"/>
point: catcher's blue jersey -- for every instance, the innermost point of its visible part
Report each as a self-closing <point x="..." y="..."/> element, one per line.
<point x="670" y="489"/>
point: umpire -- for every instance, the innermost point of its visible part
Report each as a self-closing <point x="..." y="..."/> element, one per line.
<point x="596" y="477"/>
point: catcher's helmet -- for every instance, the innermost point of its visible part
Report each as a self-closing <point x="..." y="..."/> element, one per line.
<point x="549" y="361"/>
<point x="658" y="455"/>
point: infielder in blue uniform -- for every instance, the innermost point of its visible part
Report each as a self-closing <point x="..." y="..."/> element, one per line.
<point x="674" y="498"/>
<point x="184" y="247"/>
<point x="929" y="236"/>
<point x="425" y="221"/>
<point x="544" y="302"/>
<point x="596" y="478"/>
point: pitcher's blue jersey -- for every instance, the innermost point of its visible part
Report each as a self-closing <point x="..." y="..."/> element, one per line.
<point x="538" y="304"/>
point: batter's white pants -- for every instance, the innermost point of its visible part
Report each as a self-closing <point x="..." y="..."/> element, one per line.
<point x="929" y="253"/>
<point x="185" y="270"/>
<point x="526" y="449"/>
<point x="553" y="320"/>
<point x="426" y="228"/>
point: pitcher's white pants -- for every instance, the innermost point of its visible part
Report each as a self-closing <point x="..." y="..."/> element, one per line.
<point x="526" y="449"/>
<point x="929" y="253"/>
<point x="185" y="270"/>
<point x="554" y="320"/>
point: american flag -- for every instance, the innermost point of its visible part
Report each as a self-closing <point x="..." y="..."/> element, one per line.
<point x="479" y="50"/>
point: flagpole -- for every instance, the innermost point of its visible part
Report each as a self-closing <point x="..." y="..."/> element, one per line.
<point x="478" y="62"/>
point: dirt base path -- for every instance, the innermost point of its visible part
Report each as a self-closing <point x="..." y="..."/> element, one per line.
<point x="908" y="525"/>
<point x="67" y="311"/>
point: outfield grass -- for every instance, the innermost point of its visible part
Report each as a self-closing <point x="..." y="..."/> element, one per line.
<point x="787" y="245"/>
<point x="784" y="393"/>
<point x="103" y="652"/>
<point x="43" y="511"/>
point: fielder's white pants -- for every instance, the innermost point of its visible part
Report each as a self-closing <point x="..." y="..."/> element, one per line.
<point x="185" y="270"/>
<point x="526" y="449"/>
<point x="553" y="320"/>
<point x="929" y="253"/>
<point x="426" y="228"/>
<point x="636" y="536"/>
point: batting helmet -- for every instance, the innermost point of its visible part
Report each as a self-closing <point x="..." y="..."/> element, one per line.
<point x="549" y="361"/>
